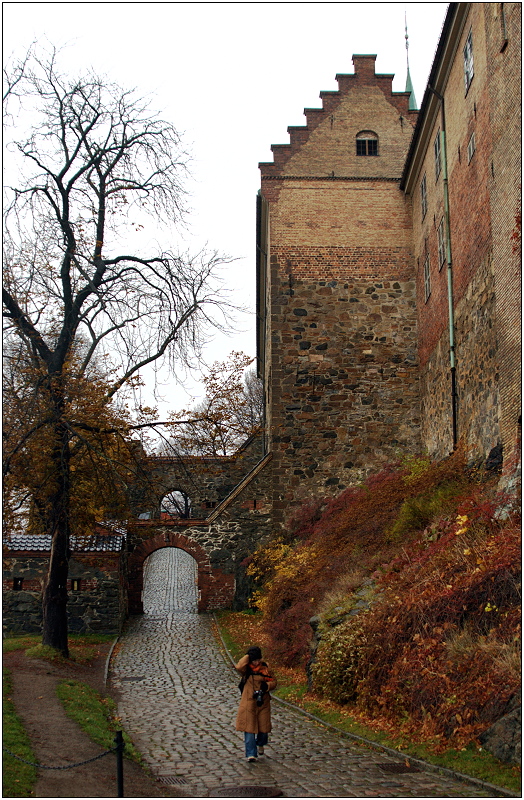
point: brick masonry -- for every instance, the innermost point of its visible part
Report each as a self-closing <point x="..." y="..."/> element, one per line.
<point x="477" y="376"/>
<point x="484" y="199"/>
<point x="342" y="366"/>
<point x="503" y="26"/>
<point x="357" y="352"/>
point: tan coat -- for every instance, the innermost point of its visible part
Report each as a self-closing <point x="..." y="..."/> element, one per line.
<point x="252" y="718"/>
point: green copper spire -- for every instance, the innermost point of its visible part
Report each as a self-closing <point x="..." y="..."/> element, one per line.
<point x="409" y="85"/>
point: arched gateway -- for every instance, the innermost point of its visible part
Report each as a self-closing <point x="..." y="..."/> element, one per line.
<point x="219" y="542"/>
<point x="106" y="570"/>
<point x="216" y="588"/>
<point x="170" y="582"/>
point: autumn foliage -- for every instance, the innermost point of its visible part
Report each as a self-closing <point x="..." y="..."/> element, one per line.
<point x="415" y="580"/>
<point x="102" y="462"/>
<point x="229" y="413"/>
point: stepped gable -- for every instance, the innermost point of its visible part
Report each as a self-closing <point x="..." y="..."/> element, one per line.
<point x="364" y="75"/>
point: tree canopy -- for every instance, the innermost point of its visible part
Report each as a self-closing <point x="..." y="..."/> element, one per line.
<point x="89" y="162"/>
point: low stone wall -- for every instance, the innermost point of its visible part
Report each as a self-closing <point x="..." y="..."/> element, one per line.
<point x="22" y="612"/>
<point x="97" y="607"/>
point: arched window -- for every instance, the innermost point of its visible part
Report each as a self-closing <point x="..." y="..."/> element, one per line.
<point x="175" y="504"/>
<point x="367" y="143"/>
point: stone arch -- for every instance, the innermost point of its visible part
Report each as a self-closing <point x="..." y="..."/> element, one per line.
<point x="216" y="589"/>
<point x="175" y="503"/>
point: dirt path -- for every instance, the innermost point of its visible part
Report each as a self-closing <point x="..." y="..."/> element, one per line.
<point x="57" y="740"/>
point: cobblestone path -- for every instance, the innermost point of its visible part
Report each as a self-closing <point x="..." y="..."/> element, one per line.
<point x="179" y="699"/>
<point x="170" y="582"/>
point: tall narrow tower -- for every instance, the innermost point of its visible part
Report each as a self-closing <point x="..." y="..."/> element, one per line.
<point x="336" y="293"/>
<point x="409" y="85"/>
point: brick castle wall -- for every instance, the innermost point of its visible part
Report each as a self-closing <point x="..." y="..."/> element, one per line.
<point x="483" y="197"/>
<point x="503" y="25"/>
<point x="342" y="369"/>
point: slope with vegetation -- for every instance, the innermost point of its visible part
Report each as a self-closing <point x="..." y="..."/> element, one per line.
<point x="413" y="583"/>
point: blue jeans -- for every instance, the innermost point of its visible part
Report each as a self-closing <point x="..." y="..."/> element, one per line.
<point x="252" y="741"/>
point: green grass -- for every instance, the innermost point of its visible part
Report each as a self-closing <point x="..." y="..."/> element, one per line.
<point x="95" y="714"/>
<point x="472" y="761"/>
<point x="83" y="648"/>
<point x="22" y="642"/>
<point x="291" y="694"/>
<point x="236" y="650"/>
<point x="18" y="779"/>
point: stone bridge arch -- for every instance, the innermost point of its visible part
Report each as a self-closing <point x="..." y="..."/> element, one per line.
<point x="216" y="588"/>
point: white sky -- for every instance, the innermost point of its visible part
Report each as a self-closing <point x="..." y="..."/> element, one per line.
<point x="231" y="77"/>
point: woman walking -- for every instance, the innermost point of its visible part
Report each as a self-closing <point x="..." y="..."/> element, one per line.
<point x="254" y="711"/>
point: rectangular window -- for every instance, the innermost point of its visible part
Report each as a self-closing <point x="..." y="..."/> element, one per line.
<point x="503" y="28"/>
<point x="75" y="584"/>
<point x="468" y="61"/>
<point x="427" y="279"/>
<point x="472" y="146"/>
<point x="17" y="584"/>
<point x="423" y="196"/>
<point x="438" y="160"/>
<point x="503" y="22"/>
<point x="367" y="147"/>
<point x="441" y="238"/>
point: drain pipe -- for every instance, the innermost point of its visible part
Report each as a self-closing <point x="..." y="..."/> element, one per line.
<point x="451" y="315"/>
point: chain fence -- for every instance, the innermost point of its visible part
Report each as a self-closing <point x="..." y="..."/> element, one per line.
<point x="118" y="749"/>
<point x="67" y="766"/>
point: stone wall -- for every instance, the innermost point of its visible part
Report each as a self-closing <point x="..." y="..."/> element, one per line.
<point x="99" y="605"/>
<point x="341" y="360"/>
<point x="206" y="481"/>
<point x="344" y="382"/>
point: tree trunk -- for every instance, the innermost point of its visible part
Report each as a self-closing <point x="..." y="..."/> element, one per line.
<point x="54" y="598"/>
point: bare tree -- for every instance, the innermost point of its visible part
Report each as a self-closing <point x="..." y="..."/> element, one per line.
<point x="94" y="162"/>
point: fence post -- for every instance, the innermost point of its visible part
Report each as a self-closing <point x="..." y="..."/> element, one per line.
<point x="119" y="742"/>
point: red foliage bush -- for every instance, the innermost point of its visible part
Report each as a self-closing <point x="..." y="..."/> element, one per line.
<point x="350" y="528"/>
<point x="435" y="651"/>
<point x="438" y="652"/>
